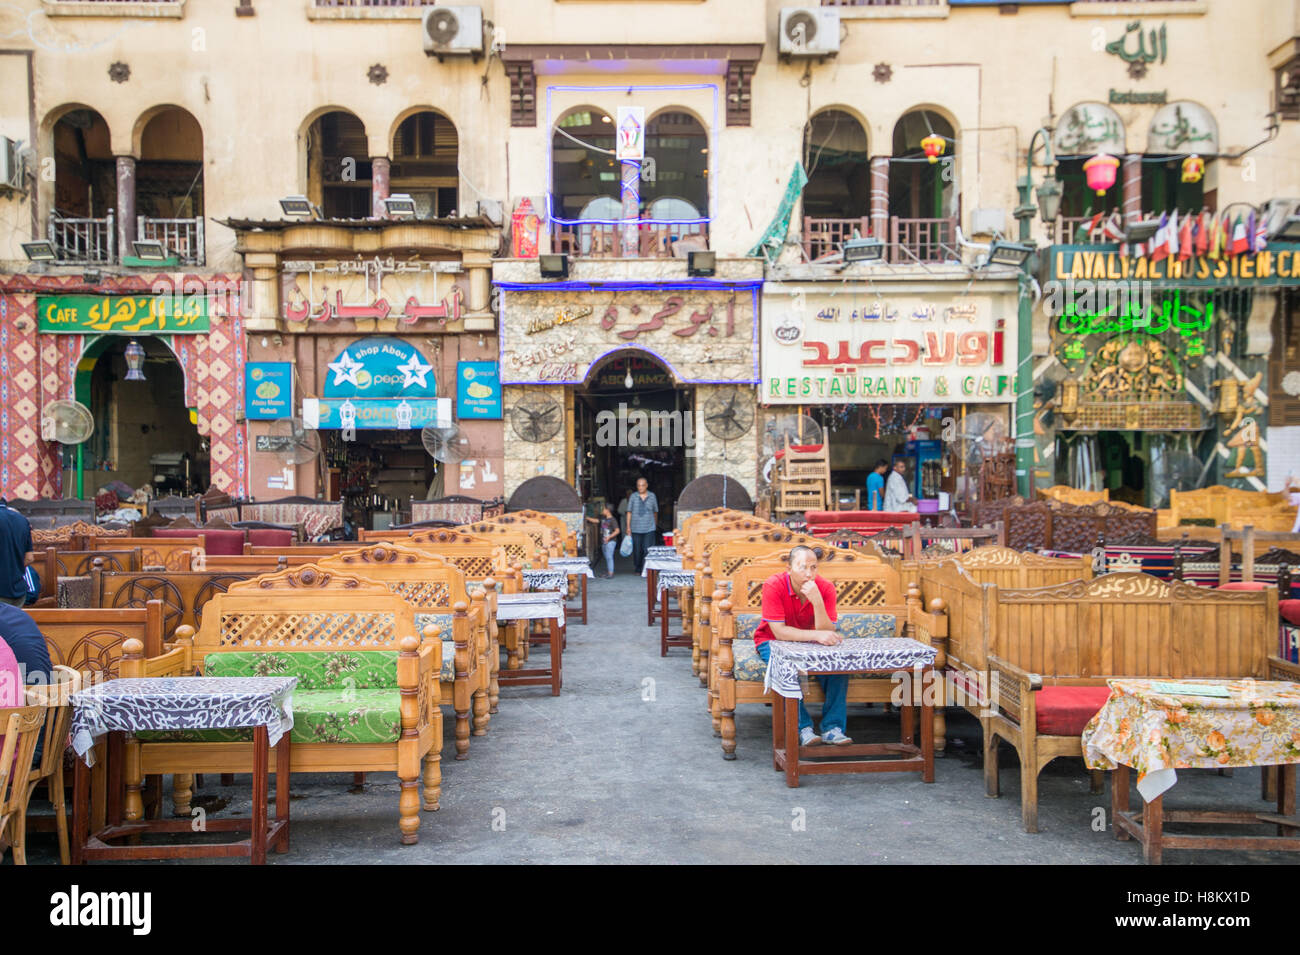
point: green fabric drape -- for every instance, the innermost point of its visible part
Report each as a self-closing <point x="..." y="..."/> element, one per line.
<point x="774" y="238"/>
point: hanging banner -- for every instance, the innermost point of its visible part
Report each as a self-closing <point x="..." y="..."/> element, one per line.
<point x="478" y="390"/>
<point x="774" y="238"/>
<point x="380" y="367"/>
<point x="268" y="390"/>
<point x="122" y="314"/>
<point x="631" y="134"/>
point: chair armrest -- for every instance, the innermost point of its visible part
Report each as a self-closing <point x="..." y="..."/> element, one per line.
<point x="1012" y="689"/>
<point x="174" y="662"/>
<point x="1279" y="669"/>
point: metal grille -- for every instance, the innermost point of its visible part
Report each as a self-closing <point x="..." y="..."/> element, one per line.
<point x="1134" y="416"/>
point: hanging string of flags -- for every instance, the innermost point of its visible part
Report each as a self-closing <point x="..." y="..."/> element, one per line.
<point x="1208" y="234"/>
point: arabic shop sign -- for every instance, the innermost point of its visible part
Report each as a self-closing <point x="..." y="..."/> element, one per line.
<point x="1133" y="97"/>
<point x="478" y="390"/>
<point x="122" y="314"/>
<point x="380" y="368"/>
<point x="704" y="331"/>
<point x="1089" y="128"/>
<point x="1279" y="264"/>
<point x="859" y="348"/>
<point x="402" y="291"/>
<point x="268" y="390"/>
<point x="376" y="413"/>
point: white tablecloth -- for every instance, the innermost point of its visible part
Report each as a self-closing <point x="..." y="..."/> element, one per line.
<point x="181" y="703"/>
<point x="571" y="565"/>
<point x="661" y="563"/>
<point x="539" y="605"/>
<point x="790" y="658"/>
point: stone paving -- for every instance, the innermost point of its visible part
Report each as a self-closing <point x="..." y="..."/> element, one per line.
<point x="602" y="775"/>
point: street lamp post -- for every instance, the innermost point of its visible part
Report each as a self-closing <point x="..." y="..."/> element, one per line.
<point x="1049" y="201"/>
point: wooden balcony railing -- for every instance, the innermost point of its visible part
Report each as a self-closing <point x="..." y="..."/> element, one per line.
<point x="654" y="239"/>
<point x="881" y="3"/>
<point x="84" y="241"/>
<point x="375" y="3"/>
<point x="909" y="241"/>
<point x="183" y="238"/>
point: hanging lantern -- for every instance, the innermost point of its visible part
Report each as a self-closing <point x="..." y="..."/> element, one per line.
<point x="1100" y="172"/>
<point x="934" y="147"/>
<point x="1193" y="168"/>
<point x="134" y="361"/>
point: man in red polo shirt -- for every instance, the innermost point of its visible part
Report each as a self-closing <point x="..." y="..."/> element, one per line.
<point x="798" y="605"/>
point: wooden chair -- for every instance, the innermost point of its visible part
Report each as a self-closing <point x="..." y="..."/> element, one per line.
<point x="1050" y="651"/>
<point x="54" y="699"/>
<point x="53" y="563"/>
<point x="296" y="622"/>
<point x="869" y="602"/>
<point x="435" y="588"/>
<point x="1072" y="495"/>
<point x="803" y="477"/>
<point x="557" y="523"/>
<point x="173" y="553"/>
<point x="22" y="727"/>
<point x="518" y="544"/>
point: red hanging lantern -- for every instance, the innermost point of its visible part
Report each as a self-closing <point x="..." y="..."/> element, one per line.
<point x="1100" y="172"/>
<point x="934" y="147"/>
<point x="1193" y="168"/>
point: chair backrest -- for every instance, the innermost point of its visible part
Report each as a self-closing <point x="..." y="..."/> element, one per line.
<point x="861" y="585"/>
<point x="736" y="552"/>
<point x="304" y="609"/>
<point x="423" y="579"/>
<point x="1133" y="624"/>
<point x="519" y="545"/>
<point x="566" y="532"/>
<point x="22" y="727"/>
<point x="690" y="522"/>
<point x="478" y="558"/>
<point x="1007" y="567"/>
<point x="174" y="553"/>
<point x="90" y="641"/>
<point x="709" y="539"/>
<point x="456" y="508"/>
<point x="1072" y="495"/>
<point x="55" y="697"/>
<point x="183" y="595"/>
<point x="546" y="539"/>
<point x="248" y="564"/>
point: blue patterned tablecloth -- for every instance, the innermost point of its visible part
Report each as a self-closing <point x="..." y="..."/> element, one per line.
<point x="547" y="579"/>
<point x="661" y="552"/>
<point x="181" y="703"/>
<point x="789" y="659"/>
<point x="675" y="578"/>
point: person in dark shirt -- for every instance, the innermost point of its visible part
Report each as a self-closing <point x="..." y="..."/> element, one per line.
<point x="15" y="543"/>
<point x="19" y="631"/>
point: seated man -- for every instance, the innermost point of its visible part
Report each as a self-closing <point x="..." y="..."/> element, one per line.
<point x="19" y="631"/>
<point x="799" y="605"/>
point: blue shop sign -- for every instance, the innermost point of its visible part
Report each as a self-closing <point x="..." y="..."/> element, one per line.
<point x="371" y="413"/>
<point x="478" y="390"/>
<point x="268" y="390"/>
<point x="380" y="367"/>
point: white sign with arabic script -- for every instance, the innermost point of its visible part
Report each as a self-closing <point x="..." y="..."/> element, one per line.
<point x="408" y="291"/>
<point x="905" y="348"/>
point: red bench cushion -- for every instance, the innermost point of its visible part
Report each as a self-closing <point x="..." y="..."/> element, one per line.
<point x="1065" y="710"/>
<point x="270" y="537"/>
<point x="1243" y="585"/>
<point x="860" y="517"/>
<point x="216" y="542"/>
<point x="1290" y="611"/>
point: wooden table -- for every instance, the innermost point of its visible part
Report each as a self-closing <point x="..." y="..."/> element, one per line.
<point x="575" y="567"/>
<point x="1147" y="726"/>
<point x="650" y="571"/>
<point x="853" y="657"/>
<point x="666" y="582"/>
<point x="127" y="705"/>
<point x="518" y="610"/>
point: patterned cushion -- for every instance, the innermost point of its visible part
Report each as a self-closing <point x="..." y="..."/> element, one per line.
<point x="315" y="669"/>
<point x="319" y="716"/>
<point x="866" y="625"/>
<point x="440" y="620"/>
<point x="746" y="624"/>
<point x="749" y="666"/>
<point x="448" y="673"/>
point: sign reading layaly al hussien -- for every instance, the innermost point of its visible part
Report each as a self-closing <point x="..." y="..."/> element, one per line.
<point x="1278" y="264"/>
<point x="551" y="333"/>
<point x="850" y="348"/>
<point x="122" y="314"/>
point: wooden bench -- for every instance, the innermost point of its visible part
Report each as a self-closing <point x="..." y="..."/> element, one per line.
<point x="436" y="589"/>
<point x="173" y="553"/>
<point x="518" y="544"/>
<point x="183" y="594"/>
<point x="567" y="535"/>
<point x="1050" y="651"/>
<point x="869" y="602"/>
<point x="53" y="563"/>
<point x="328" y="629"/>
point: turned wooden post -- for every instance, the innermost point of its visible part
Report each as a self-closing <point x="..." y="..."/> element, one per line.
<point x="726" y="698"/>
<point x="408" y="746"/>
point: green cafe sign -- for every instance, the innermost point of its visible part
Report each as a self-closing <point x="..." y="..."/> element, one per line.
<point x="122" y="314"/>
<point x="1278" y="264"/>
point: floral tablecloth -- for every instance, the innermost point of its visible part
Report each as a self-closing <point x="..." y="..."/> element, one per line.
<point x="1158" y="733"/>
<point x="571" y="565"/>
<point x="181" y="703"/>
<point x="540" y="605"/>
<point x="666" y="562"/>
<point x="791" y="658"/>
<point x="674" y="578"/>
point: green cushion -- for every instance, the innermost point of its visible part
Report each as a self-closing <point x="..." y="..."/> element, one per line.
<point x="319" y="716"/>
<point x="749" y="666"/>
<point x="315" y="669"/>
<point x="866" y="625"/>
<point x="440" y="620"/>
<point x="746" y="624"/>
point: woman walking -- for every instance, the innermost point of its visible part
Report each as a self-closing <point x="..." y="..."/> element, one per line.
<point x="609" y="535"/>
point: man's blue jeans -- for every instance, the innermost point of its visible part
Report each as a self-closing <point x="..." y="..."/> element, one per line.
<point x="608" y="549"/>
<point x="836" y="689"/>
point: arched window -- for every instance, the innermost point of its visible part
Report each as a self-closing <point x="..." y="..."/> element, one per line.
<point x="338" y="166"/>
<point x="81" y="222"/>
<point x="1086" y="130"/>
<point x="1178" y="131"/>
<point x="169" y="184"/>
<point x="837" y="198"/>
<point x="425" y="158"/>
<point x="923" y="199"/>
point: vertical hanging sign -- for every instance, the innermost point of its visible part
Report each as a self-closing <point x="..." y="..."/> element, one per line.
<point x="631" y="134"/>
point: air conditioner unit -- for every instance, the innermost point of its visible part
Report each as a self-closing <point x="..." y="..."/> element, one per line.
<point x="1282" y="218"/>
<point x="11" y="166"/>
<point x="452" y="30"/>
<point x="809" y="31"/>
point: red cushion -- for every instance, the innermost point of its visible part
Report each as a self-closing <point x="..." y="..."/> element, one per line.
<point x="801" y="448"/>
<point x="1065" y="710"/>
<point x="268" y="537"/>
<point x="176" y="532"/>
<point x="884" y="518"/>
<point x="222" y="543"/>
<point x="1290" y="611"/>
<point x="1243" y="585"/>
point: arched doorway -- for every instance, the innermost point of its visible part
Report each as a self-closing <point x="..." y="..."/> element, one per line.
<point x="631" y="420"/>
<point x="425" y="165"/>
<point x="338" y="166"/>
<point x="144" y="433"/>
<point x="923" y="195"/>
<point x="169" y="183"/>
<point x="837" y="198"/>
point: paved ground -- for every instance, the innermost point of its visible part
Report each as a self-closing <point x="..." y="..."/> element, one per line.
<point x="601" y="775"/>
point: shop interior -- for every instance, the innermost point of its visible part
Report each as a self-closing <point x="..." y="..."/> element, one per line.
<point x="377" y="474"/>
<point x="144" y="434"/>
<point x="1137" y="467"/>
<point x="615" y="442"/>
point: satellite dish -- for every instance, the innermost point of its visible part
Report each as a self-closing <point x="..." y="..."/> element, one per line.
<point x="295" y="443"/>
<point x="67" y="422"/>
<point x="799" y="428"/>
<point x="980" y="437"/>
<point x="444" y="444"/>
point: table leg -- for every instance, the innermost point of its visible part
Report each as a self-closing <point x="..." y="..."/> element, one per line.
<point x="557" y="658"/>
<point x="663" y="622"/>
<point x="1286" y="795"/>
<point x="1118" y="800"/>
<point x="793" y="749"/>
<point x="1153" y="823"/>
<point x="651" y="578"/>
<point x="927" y="737"/>
<point x="282" y="763"/>
<point x="582" y="583"/>
<point x="115" y="749"/>
<point x="778" y="733"/>
<point x="261" y="752"/>
<point x="80" y="809"/>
